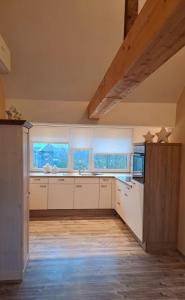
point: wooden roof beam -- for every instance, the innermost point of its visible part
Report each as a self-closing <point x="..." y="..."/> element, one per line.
<point x="156" y="35"/>
<point x="131" y="13"/>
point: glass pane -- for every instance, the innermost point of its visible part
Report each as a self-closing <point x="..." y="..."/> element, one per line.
<point x="81" y="159"/>
<point x="111" y="161"/>
<point x="53" y="154"/>
<point x="138" y="163"/>
<point x="100" y="161"/>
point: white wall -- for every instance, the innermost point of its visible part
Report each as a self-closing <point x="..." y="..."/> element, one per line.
<point x="75" y="112"/>
<point x="139" y="131"/>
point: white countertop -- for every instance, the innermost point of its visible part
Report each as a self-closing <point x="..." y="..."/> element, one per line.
<point x="124" y="177"/>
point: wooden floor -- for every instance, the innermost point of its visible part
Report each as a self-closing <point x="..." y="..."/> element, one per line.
<point x="93" y="259"/>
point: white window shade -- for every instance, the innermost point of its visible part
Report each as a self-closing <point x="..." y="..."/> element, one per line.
<point x="112" y="140"/>
<point x="81" y="137"/>
<point x="49" y="134"/>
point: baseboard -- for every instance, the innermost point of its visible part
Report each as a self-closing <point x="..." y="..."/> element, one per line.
<point x="58" y="213"/>
<point x="10" y="277"/>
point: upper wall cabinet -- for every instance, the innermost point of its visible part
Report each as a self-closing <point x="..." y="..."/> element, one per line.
<point x="5" y="57"/>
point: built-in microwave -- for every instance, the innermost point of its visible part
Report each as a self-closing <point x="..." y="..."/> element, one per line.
<point x="138" y="162"/>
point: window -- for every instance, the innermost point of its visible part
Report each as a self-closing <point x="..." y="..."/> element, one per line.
<point x="55" y="154"/>
<point x="106" y="161"/>
<point x="72" y="147"/>
<point x="81" y="159"/>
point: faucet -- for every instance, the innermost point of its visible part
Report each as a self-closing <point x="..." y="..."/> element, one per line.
<point x="81" y="170"/>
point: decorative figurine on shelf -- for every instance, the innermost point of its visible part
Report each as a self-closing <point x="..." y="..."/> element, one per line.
<point x="54" y="169"/>
<point x="148" y="137"/>
<point x="163" y="135"/>
<point x="13" y="114"/>
<point x="47" y="168"/>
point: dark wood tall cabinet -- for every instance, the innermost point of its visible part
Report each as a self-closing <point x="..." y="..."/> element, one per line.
<point x="14" y="192"/>
<point x="161" y="196"/>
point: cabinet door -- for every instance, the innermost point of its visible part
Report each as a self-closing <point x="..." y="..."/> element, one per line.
<point x="118" y="199"/>
<point x="38" y="196"/>
<point x="136" y="210"/>
<point x="124" y="202"/>
<point x="60" y="196"/>
<point x="132" y="208"/>
<point x="86" y="196"/>
<point x="105" y="196"/>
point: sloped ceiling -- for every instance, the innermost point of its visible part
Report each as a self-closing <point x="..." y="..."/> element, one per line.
<point x="61" y="49"/>
<point x="164" y="85"/>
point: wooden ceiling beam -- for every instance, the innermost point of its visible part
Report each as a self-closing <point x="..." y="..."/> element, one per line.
<point x="131" y="13"/>
<point x="156" y="35"/>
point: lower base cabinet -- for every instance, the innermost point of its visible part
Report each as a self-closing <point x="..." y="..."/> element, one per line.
<point x="38" y="196"/>
<point x="129" y="205"/>
<point x="118" y="206"/>
<point x="60" y="196"/>
<point x="136" y="203"/>
<point x="86" y="196"/>
<point x="105" y="195"/>
<point x="70" y="193"/>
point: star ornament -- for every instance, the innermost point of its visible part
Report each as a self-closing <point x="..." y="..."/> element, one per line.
<point x="163" y="135"/>
<point x="148" y="137"/>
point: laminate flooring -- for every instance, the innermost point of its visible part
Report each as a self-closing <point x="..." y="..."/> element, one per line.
<point x="94" y="259"/>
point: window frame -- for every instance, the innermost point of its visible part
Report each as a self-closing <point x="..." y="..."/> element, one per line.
<point x="128" y="170"/>
<point x="92" y="154"/>
<point x="32" y="168"/>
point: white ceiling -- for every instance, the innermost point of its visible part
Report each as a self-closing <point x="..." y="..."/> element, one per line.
<point x="62" y="48"/>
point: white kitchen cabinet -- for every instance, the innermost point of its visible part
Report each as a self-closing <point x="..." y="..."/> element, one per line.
<point x="129" y="205"/>
<point x="136" y="200"/>
<point x="105" y="180"/>
<point x="125" y="201"/>
<point x="38" y="196"/>
<point x="84" y="179"/>
<point x="61" y="196"/>
<point x="39" y="180"/>
<point x="105" y="195"/>
<point x="86" y="195"/>
<point x="118" y="198"/>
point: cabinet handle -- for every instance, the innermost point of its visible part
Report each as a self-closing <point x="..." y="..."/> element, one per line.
<point x="126" y="195"/>
<point x="78" y="185"/>
<point x="118" y="203"/>
<point x="36" y="179"/>
<point x="43" y="186"/>
<point x="61" y="179"/>
<point x="105" y="179"/>
<point x="103" y="185"/>
<point x="118" y="190"/>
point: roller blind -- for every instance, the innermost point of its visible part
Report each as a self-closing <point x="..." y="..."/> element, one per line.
<point x="81" y="137"/>
<point x="49" y="134"/>
<point x="112" y="140"/>
<point x="100" y="139"/>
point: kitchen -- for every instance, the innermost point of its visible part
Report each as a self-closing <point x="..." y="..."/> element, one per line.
<point x="87" y="157"/>
<point x="91" y="183"/>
